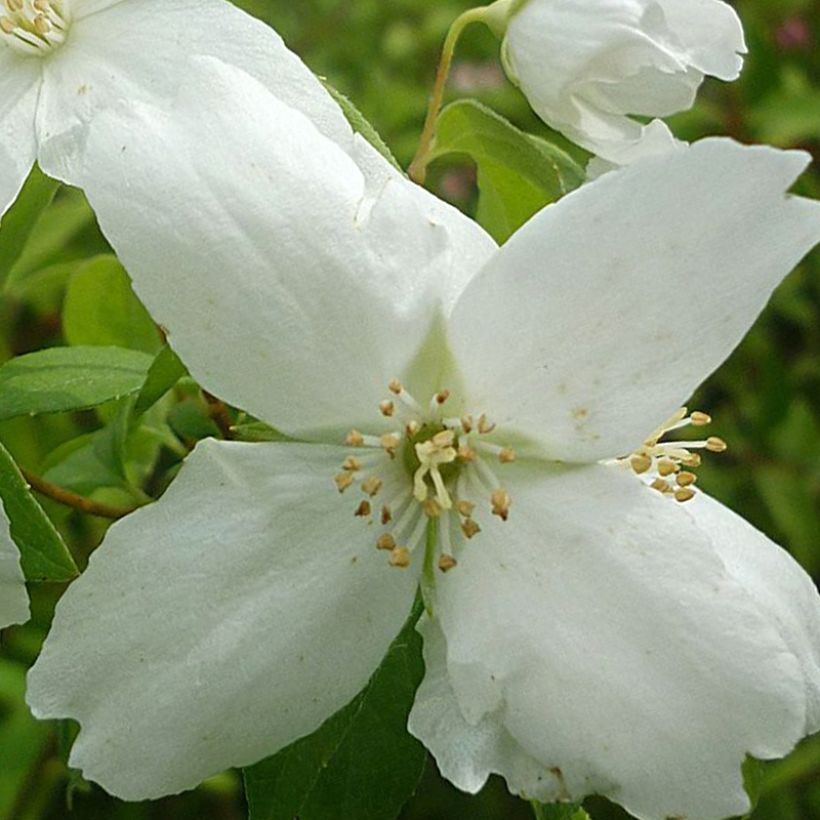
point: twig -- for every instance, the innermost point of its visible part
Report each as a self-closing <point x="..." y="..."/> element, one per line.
<point x="76" y="502"/>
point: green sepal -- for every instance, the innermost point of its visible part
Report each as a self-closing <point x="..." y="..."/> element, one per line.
<point x="43" y="553"/>
<point x="559" y="811"/>
<point x="361" y="763"/>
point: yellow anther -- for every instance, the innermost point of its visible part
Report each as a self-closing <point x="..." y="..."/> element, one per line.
<point x="395" y="387"/>
<point x="700" y="419"/>
<point x="716" y="445"/>
<point x="446" y="563"/>
<point x="7" y="25"/>
<point x="470" y="528"/>
<point x="387" y="408"/>
<point x="667" y="468"/>
<point x="640" y="463"/>
<point x="371" y="486"/>
<point x="400" y="557"/>
<point x="352" y="464"/>
<point x="465" y="508"/>
<point x="363" y="510"/>
<point x="390" y="443"/>
<point x="466" y="453"/>
<point x="387" y="515"/>
<point x="442" y="396"/>
<point x="431" y="507"/>
<point x="343" y="481"/>
<point x="467" y="423"/>
<point x="485" y="425"/>
<point x="501" y="503"/>
<point x="660" y="485"/>
<point x="41" y="24"/>
<point x="354" y="439"/>
<point x="686" y="479"/>
<point x="412" y="428"/>
<point x="507" y="455"/>
<point x="692" y="460"/>
<point x="386" y="542"/>
<point x="684" y="494"/>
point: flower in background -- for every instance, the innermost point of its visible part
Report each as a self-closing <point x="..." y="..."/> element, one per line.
<point x="63" y="60"/>
<point x="13" y="596"/>
<point x="585" y="67"/>
<point x="596" y="625"/>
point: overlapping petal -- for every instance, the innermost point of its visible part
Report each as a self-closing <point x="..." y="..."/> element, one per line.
<point x="290" y="284"/>
<point x="602" y="314"/>
<point x="137" y="50"/>
<point x="602" y="631"/>
<point x="13" y="597"/>
<point x="786" y="595"/>
<point x="221" y="623"/>
<point x="19" y="90"/>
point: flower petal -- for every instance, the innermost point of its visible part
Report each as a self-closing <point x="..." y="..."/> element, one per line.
<point x="710" y="32"/>
<point x="601" y="628"/>
<point x="20" y="81"/>
<point x="13" y="596"/>
<point x="597" y="320"/>
<point x="280" y="270"/>
<point x="221" y="623"/>
<point x="467" y="755"/>
<point x="786" y="595"/>
<point x="137" y="50"/>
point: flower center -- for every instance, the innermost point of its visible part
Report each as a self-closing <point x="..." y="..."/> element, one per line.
<point x="34" y="27"/>
<point x="430" y="468"/>
<point x="661" y="463"/>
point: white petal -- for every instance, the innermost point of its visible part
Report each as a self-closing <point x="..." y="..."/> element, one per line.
<point x="221" y="623"/>
<point x="784" y="592"/>
<point x="20" y="81"/>
<point x="13" y="595"/>
<point x="137" y="50"/>
<point x="467" y="755"/>
<point x="597" y="320"/>
<point x="602" y="628"/>
<point x="711" y="33"/>
<point x="291" y="286"/>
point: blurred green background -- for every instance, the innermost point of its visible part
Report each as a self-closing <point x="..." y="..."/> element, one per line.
<point x="382" y="54"/>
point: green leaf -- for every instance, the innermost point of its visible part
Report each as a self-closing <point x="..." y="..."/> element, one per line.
<point x="44" y="554"/>
<point x="361" y="763"/>
<point x="21" y="219"/>
<point x="360" y="124"/>
<point x="559" y="811"/>
<point x="753" y="775"/>
<point x="518" y="174"/>
<point x="166" y="370"/>
<point x="101" y="309"/>
<point x="63" y="379"/>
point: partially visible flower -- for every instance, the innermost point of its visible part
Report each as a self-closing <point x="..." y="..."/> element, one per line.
<point x="598" y="626"/>
<point x="63" y="60"/>
<point x="587" y="65"/>
<point x="13" y="596"/>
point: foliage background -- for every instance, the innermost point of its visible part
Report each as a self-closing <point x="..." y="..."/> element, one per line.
<point x="382" y="54"/>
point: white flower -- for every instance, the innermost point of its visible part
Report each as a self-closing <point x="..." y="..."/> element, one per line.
<point x="63" y="60"/>
<point x="595" y="634"/>
<point x="585" y="65"/>
<point x="13" y="596"/>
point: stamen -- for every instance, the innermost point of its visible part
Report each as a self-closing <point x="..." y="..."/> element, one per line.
<point x="354" y="439"/>
<point x="343" y="481"/>
<point x="400" y="558"/>
<point x="684" y="494"/>
<point x="686" y="479"/>
<point x="716" y="445"/>
<point x="467" y="424"/>
<point x="390" y="443"/>
<point x="465" y="508"/>
<point x="371" y="486"/>
<point x="387" y="408"/>
<point x="352" y="464"/>
<point x="640" y="463"/>
<point x="363" y="510"/>
<point x="386" y="542"/>
<point x="446" y="563"/>
<point x="485" y="426"/>
<point x="470" y="528"/>
<point x="501" y="502"/>
<point x="387" y="515"/>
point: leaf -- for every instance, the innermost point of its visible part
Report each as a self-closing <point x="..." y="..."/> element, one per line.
<point x="361" y="763"/>
<point x="518" y="174"/>
<point x="101" y="309"/>
<point x="360" y="125"/>
<point x="63" y="379"/>
<point x="559" y="811"/>
<point x="166" y="370"/>
<point x="44" y="554"/>
<point x="20" y="220"/>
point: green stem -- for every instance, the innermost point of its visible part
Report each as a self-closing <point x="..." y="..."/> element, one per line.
<point x="418" y="167"/>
